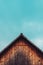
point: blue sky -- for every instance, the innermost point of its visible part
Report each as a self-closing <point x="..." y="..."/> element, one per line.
<point x="21" y="16"/>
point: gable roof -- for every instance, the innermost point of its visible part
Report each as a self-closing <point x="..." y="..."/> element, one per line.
<point x="23" y="38"/>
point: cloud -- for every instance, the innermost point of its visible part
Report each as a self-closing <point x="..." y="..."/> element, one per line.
<point x="31" y="25"/>
<point x="34" y="31"/>
<point x="34" y="28"/>
<point x="2" y="45"/>
<point x="38" y="42"/>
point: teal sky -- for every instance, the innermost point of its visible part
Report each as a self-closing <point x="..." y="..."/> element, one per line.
<point x="21" y="16"/>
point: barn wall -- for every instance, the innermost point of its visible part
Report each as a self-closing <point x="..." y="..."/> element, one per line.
<point x="20" y="46"/>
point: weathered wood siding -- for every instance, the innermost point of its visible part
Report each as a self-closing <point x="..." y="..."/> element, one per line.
<point x="21" y="49"/>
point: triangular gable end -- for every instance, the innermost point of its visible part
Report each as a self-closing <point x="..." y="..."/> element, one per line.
<point x="22" y="37"/>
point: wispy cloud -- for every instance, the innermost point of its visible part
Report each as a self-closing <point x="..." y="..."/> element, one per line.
<point x="11" y="24"/>
<point x="32" y="27"/>
<point x="38" y="42"/>
<point x="3" y="44"/>
<point x="34" y="31"/>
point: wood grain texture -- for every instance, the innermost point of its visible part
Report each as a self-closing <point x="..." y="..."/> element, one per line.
<point x="32" y="56"/>
<point x="20" y="53"/>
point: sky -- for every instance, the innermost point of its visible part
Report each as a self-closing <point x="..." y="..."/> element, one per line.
<point x="21" y="16"/>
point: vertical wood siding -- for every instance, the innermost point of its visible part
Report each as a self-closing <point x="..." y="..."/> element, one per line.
<point x="28" y="55"/>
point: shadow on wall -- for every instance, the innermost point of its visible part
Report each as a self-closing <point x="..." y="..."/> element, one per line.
<point x="19" y="59"/>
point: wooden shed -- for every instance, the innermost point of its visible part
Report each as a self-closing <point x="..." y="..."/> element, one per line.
<point x="21" y="52"/>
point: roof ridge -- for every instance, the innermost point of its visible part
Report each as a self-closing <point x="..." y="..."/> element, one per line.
<point x="21" y="36"/>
